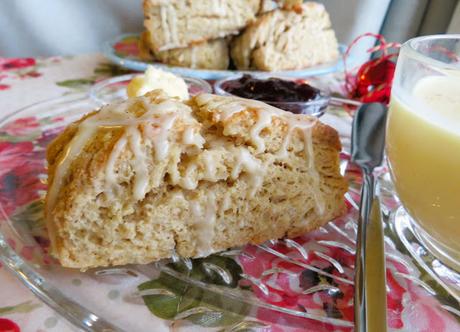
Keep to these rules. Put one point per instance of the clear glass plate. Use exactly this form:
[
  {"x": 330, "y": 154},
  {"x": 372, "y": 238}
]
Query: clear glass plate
[{"x": 302, "y": 284}]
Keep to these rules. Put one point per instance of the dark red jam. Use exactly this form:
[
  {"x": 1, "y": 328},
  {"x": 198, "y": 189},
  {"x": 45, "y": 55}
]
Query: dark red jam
[{"x": 271, "y": 89}]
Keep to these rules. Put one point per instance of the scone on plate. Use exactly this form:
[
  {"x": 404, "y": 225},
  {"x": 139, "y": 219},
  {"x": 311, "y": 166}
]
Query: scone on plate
[
  {"x": 287, "y": 39},
  {"x": 212, "y": 54},
  {"x": 137, "y": 181},
  {"x": 268, "y": 5},
  {"x": 181, "y": 23}
]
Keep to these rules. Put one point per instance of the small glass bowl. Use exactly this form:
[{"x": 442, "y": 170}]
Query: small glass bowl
[
  {"x": 315, "y": 107},
  {"x": 114, "y": 89}
]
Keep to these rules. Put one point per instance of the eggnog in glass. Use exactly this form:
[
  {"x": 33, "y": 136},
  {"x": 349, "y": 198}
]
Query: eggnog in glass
[{"x": 423, "y": 142}]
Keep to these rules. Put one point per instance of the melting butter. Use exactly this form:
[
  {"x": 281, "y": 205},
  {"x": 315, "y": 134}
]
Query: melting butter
[{"x": 155, "y": 78}]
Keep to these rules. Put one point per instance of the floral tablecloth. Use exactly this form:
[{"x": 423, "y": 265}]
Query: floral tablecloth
[
  {"x": 27, "y": 81},
  {"x": 24, "y": 82}
]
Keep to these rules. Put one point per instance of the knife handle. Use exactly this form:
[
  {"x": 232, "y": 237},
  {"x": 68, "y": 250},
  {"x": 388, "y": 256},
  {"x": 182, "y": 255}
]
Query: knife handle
[
  {"x": 375, "y": 277},
  {"x": 369, "y": 315},
  {"x": 360, "y": 307}
]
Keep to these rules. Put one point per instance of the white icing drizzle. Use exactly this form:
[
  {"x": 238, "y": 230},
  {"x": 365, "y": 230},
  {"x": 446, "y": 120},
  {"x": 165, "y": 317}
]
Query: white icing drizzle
[
  {"x": 224, "y": 108},
  {"x": 161, "y": 140},
  {"x": 264, "y": 34},
  {"x": 168, "y": 17},
  {"x": 139, "y": 163},
  {"x": 226, "y": 203},
  {"x": 172, "y": 19},
  {"x": 283, "y": 152},
  {"x": 207, "y": 235},
  {"x": 264, "y": 120},
  {"x": 320, "y": 204},
  {"x": 164, "y": 24},
  {"x": 188, "y": 135},
  {"x": 110, "y": 179},
  {"x": 86, "y": 130},
  {"x": 193, "y": 57},
  {"x": 191, "y": 137},
  {"x": 195, "y": 208},
  {"x": 161, "y": 116},
  {"x": 173, "y": 172},
  {"x": 189, "y": 181},
  {"x": 73, "y": 149},
  {"x": 218, "y": 7},
  {"x": 178, "y": 195},
  {"x": 204, "y": 224},
  {"x": 210, "y": 168},
  {"x": 169, "y": 46},
  {"x": 247, "y": 163},
  {"x": 155, "y": 124}
]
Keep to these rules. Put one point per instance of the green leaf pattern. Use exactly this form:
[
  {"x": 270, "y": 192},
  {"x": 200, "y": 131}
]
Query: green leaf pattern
[
  {"x": 23, "y": 307},
  {"x": 181, "y": 300}
]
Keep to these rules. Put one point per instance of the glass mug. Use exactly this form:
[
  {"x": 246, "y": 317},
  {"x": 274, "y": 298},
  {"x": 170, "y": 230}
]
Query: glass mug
[{"x": 423, "y": 141}]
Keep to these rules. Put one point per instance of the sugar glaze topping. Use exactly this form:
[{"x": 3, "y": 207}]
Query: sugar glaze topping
[
  {"x": 159, "y": 116},
  {"x": 225, "y": 108},
  {"x": 203, "y": 221},
  {"x": 157, "y": 122}
]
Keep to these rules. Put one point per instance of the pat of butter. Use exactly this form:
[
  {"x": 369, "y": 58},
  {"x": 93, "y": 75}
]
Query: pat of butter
[{"x": 153, "y": 79}]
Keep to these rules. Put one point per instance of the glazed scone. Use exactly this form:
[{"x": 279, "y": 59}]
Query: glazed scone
[
  {"x": 287, "y": 39},
  {"x": 137, "y": 181},
  {"x": 212, "y": 54},
  {"x": 268, "y": 5},
  {"x": 181, "y": 23}
]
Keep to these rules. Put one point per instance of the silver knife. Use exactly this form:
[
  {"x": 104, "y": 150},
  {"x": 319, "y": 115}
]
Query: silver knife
[{"x": 368, "y": 142}]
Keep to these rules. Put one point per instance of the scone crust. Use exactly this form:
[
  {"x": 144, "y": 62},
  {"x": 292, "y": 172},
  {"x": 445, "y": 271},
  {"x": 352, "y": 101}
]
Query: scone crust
[
  {"x": 212, "y": 54},
  {"x": 286, "y": 39},
  {"x": 181, "y": 23},
  {"x": 188, "y": 203}
]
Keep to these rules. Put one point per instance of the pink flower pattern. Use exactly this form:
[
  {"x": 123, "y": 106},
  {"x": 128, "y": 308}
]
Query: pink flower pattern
[
  {"x": 16, "y": 63},
  {"x": 21, "y": 127},
  {"x": 405, "y": 300},
  {"x": 127, "y": 47},
  {"x": 22, "y": 68},
  {"x": 19, "y": 183},
  {"x": 409, "y": 306},
  {"x": 7, "y": 325}
]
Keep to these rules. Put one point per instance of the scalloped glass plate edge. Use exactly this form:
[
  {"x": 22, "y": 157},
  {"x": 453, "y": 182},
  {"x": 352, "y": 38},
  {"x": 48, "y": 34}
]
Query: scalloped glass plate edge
[
  {"x": 332, "y": 269},
  {"x": 437, "y": 270},
  {"x": 34, "y": 281},
  {"x": 30, "y": 276}
]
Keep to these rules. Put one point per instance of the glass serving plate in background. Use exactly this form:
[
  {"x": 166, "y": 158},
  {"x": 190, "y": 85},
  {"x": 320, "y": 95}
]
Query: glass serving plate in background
[
  {"x": 124, "y": 51},
  {"x": 286, "y": 285}
]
